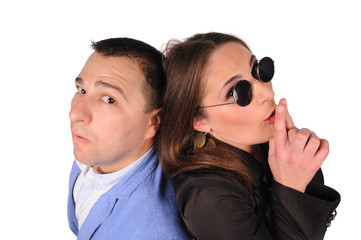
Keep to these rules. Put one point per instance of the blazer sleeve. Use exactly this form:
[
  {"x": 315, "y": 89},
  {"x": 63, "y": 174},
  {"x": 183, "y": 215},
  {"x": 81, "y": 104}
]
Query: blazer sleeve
[
  {"x": 297, "y": 215},
  {"x": 214, "y": 208}
]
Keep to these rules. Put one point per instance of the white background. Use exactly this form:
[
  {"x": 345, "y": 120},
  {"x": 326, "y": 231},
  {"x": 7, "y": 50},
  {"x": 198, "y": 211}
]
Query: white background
[{"x": 44, "y": 44}]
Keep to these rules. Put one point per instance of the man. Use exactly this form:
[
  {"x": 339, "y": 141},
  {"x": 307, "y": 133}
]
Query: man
[{"x": 117, "y": 189}]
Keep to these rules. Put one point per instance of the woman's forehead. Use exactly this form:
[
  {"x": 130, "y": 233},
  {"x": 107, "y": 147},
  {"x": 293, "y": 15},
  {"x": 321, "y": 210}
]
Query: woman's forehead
[{"x": 228, "y": 61}]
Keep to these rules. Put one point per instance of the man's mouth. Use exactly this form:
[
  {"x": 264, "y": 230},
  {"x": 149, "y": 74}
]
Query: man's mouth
[{"x": 78, "y": 137}]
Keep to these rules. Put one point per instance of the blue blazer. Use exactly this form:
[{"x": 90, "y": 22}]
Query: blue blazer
[{"x": 141, "y": 206}]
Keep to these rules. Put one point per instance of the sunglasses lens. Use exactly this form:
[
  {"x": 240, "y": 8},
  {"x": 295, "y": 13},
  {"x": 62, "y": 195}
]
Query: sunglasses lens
[
  {"x": 244, "y": 93},
  {"x": 266, "y": 69}
]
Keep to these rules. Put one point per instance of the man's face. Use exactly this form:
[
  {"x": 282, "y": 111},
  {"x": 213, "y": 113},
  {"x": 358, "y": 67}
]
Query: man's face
[{"x": 109, "y": 126}]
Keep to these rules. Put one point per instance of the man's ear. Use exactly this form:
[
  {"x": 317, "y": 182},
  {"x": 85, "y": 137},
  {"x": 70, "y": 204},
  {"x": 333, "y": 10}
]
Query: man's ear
[
  {"x": 154, "y": 123},
  {"x": 201, "y": 124}
]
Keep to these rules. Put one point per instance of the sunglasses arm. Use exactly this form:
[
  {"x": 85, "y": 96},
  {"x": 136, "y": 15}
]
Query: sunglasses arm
[{"x": 218, "y": 105}]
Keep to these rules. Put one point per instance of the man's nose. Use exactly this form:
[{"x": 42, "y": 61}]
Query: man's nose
[{"x": 80, "y": 110}]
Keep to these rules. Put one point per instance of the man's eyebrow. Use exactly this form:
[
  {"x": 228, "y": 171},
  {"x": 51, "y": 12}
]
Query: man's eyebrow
[
  {"x": 104, "y": 84},
  {"x": 78, "y": 80}
]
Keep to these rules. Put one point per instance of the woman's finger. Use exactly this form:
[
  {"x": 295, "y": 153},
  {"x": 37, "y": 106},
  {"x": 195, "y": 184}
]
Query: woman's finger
[
  {"x": 280, "y": 131},
  {"x": 313, "y": 145},
  {"x": 322, "y": 152},
  {"x": 300, "y": 140},
  {"x": 289, "y": 122}
]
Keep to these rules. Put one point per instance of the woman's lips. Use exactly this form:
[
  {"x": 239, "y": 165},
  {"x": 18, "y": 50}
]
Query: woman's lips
[{"x": 271, "y": 118}]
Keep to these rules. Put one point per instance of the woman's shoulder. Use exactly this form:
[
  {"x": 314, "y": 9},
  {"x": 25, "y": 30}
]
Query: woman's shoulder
[
  {"x": 214, "y": 206},
  {"x": 205, "y": 184},
  {"x": 204, "y": 177}
]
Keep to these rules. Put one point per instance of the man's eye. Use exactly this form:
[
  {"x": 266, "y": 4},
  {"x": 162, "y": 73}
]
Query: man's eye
[
  {"x": 81, "y": 90},
  {"x": 108, "y": 99}
]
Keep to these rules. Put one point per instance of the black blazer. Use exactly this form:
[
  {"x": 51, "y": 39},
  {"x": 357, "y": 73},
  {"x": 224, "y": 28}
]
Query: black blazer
[{"x": 215, "y": 207}]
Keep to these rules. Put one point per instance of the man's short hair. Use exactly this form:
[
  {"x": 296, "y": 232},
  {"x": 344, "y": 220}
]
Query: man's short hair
[{"x": 149, "y": 61}]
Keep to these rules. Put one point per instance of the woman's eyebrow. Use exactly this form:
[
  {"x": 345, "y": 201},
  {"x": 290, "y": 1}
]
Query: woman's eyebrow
[
  {"x": 237, "y": 76},
  {"x": 251, "y": 60}
]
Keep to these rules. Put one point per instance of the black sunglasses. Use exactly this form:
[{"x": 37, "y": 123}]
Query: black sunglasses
[{"x": 242, "y": 91}]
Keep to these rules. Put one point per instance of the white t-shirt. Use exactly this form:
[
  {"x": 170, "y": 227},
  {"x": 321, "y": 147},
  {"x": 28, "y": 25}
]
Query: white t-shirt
[{"x": 90, "y": 185}]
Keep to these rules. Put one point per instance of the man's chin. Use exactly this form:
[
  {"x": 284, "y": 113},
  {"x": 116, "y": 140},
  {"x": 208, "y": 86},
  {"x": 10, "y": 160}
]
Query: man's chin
[{"x": 82, "y": 158}]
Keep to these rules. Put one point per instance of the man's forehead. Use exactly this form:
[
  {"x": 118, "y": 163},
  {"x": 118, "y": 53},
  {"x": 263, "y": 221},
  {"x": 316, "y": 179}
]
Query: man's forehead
[{"x": 121, "y": 67}]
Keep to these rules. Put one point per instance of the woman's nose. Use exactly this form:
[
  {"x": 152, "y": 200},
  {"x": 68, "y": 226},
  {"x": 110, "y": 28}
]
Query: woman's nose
[{"x": 263, "y": 91}]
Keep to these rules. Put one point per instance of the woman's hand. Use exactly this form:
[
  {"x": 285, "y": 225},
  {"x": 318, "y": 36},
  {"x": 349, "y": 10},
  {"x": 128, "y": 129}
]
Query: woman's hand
[{"x": 294, "y": 155}]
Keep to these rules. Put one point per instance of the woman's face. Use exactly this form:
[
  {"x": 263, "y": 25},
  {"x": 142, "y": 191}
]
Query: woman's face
[{"x": 238, "y": 126}]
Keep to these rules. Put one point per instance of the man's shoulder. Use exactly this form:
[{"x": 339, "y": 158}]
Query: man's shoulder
[
  {"x": 151, "y": 207},
  {"x": 155, "y": 187}
]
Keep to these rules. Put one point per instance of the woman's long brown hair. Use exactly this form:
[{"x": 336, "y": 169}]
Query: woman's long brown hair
[{"x": 184, "y": 65}]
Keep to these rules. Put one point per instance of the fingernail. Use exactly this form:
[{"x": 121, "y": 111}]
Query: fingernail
[
  {"x": 279, "y": 109},
  {"x": 283, "y": 101}
]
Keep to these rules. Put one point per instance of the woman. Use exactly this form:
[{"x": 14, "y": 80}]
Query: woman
[{"x": 242, "y": 169}]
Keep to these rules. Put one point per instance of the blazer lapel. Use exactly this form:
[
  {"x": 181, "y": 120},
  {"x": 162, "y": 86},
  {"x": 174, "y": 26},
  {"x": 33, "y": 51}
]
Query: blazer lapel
[
  {"x": 73, "y": 222},
  {"x": 122, "y": 190},
  {"x": 99, "y": 212}
]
